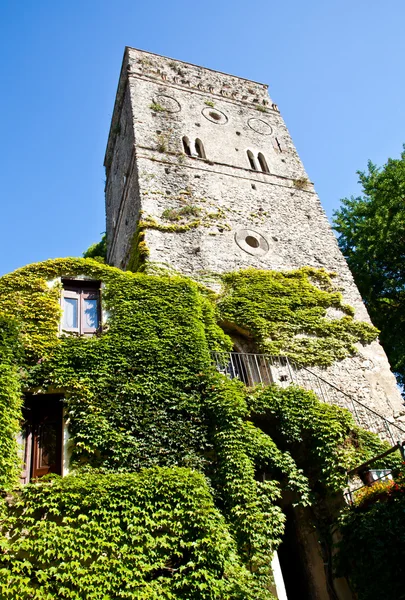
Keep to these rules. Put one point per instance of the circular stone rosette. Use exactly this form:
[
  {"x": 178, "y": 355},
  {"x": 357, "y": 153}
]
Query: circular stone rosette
[
  {"x": 168, "y": 103},
  {"x": 252, "y": 242},
  {"x": 214, "y": 115},
  {"x": 260, "y": 126}
]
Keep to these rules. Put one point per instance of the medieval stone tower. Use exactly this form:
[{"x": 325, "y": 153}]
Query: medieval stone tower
[
  {"x": 202, "y": 170},
  {"x": 188, "y": 473}
]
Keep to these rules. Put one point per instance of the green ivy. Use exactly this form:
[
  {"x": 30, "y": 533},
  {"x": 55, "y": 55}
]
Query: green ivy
[
  {"x": 323, "y": 439},
  {"x": 156, "y": 534},
  {"x": 286, "y": 313},
  {"x": 250, "y": 505},
  {"x": 145, "y": 403},
  {"x": 10, "y": 402}
]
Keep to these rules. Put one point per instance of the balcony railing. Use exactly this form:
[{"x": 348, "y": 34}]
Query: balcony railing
[
  {"x": 253, "y": 369},
  {"x": 370, "y": 476}
]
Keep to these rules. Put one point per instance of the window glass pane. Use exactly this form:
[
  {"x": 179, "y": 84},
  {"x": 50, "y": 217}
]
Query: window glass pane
[
  {"x": 47, "y": 444},
  {"x": 70, "y": 313},
  {"x": 90, "y": 314}
]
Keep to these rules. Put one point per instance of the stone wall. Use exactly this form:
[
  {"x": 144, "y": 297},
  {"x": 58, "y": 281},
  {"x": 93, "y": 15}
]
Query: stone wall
[{"x": 217, "y": 214}]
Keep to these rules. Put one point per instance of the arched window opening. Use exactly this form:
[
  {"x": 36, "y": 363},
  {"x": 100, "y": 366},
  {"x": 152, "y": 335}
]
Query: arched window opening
[
  {"x": 199, "y": 148},
  {"x": 262, "y": 163},
  {"x": 252, "y": 161},
  {"x": 186, "y": 146}
]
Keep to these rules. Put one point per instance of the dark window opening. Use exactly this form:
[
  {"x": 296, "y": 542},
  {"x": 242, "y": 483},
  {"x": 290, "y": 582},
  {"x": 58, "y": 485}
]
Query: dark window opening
[
  {"x": 199, "y": 148},
  {"x": 81, "y": 306},
  {"x": 252, "y": 241},
  {"x": 186, "y": 146},
  {"x": 262, "y": 163},
  {"x": 42, "y": 436},
  {"x": 251, "y": 160}
]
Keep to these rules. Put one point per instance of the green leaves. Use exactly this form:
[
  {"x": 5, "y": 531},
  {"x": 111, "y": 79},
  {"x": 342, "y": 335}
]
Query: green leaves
[
  {"x": 371, "y": 232},
  {"x": 178, "y": 471},
  {"x": 322, "y": 439},
  {"x": 10, "y": 401},
  {"x": 287, "y": 313},
  {"x": 97, "y": 251},
  {"x": 148, "y": 535}
]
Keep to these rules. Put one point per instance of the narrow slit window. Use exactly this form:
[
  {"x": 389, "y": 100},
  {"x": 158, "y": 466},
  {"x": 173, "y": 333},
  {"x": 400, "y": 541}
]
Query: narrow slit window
[
  {"x": 251, "y": 160},
  {"x": 199, "y": 148},
  {"x": 262, "y": 163},
  {"x": 186, "y": 146}
]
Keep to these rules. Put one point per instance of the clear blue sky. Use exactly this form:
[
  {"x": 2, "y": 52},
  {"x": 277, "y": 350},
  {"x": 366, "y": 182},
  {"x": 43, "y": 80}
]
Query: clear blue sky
[{"x": 335, "y": 68}]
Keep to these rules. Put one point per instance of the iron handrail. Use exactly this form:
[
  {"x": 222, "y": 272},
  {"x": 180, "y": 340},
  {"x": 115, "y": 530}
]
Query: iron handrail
[
  {"x": 253, "y": 369},
  {"x": 350, "y": 494}
]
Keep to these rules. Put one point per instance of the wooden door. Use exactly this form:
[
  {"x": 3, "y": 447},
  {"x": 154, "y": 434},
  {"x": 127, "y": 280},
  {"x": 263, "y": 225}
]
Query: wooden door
[{"x": 46, "y": 432}]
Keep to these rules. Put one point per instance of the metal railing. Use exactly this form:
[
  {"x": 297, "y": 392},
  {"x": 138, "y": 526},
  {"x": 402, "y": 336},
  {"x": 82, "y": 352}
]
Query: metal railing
[
  {"x": 253, "y": 369},
  {"x": 350, "y": 493},
  {"x": 370, "y": 476}
]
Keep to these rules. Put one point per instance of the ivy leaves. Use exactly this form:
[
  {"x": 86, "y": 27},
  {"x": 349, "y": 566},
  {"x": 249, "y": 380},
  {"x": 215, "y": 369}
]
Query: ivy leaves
[
  {"x": 10, "y": 401},
  {"x": 149, "y": 535},
  {"x": 179, "y": 471},
  {"x": 286, "y": 313},
  {"x": 372, "y": 547}
]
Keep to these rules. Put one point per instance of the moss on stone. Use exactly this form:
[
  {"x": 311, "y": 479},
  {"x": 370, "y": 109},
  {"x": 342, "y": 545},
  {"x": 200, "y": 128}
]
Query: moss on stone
[{"x": 139, "y": 251}]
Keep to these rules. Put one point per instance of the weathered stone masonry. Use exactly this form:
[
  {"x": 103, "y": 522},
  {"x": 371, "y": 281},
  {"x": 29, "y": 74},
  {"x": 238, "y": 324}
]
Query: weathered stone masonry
[{"x": 229, "y": 216}]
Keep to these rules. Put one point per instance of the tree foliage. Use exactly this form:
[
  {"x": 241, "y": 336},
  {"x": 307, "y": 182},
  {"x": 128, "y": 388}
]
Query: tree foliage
[
  {"x": 97, "y": 251},
  {"x": 371, "y": 230}
]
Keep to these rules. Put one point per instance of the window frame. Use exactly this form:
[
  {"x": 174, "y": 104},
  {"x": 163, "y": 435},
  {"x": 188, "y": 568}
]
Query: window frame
[
  {"x": 81, "y": 290},
  {"x": 41, "y": 411}
]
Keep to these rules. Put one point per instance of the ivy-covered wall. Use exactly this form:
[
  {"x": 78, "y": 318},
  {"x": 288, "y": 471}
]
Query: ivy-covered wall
[
  {"x": 10, "y": 401},
  {"x": 167, "y": 492},
  {"x": 153, "y": 534},
  {"x": 287, "y": 313}
]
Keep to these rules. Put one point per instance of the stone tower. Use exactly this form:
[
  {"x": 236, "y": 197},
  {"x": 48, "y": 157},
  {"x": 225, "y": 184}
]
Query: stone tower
[{"x": 201, "y": 167}]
